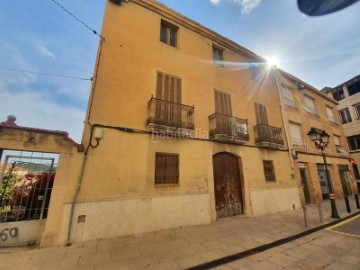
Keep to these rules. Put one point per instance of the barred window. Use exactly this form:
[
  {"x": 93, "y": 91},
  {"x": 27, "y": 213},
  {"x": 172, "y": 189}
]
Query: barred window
[
  {"x": 166, "y": 168},
  {"x": 269, "y": 170}
]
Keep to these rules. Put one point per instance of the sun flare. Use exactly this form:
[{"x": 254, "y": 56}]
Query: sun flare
[{"x": 272, "y": 61}]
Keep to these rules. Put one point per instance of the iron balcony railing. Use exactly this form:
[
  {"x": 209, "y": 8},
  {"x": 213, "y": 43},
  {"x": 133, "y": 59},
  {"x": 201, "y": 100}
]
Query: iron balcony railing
[
  {"x": 233, "y": 127},
  {"x": 171, "y": 114},
  {"x": 300, "y": 143},
  {"x": 268, "y": 134}
]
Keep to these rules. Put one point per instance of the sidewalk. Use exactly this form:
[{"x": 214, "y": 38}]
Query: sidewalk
[{"x": 172, "y": 249}]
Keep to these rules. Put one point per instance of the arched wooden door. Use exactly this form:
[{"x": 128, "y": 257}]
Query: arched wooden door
[{"x": 227, "y": 182}]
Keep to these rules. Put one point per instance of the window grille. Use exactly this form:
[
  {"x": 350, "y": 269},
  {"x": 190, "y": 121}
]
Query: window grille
[
  {"x": 269, "y": 170},
  {"x": 166, "y": 168}
]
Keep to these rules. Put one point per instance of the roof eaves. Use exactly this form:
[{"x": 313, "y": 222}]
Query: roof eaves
[
  {"x": 63, "y": 134},
  {"x": 308, "y": 86}
]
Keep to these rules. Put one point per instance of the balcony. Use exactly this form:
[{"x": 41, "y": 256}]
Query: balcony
[
  {"x": 170, "y": 117},
  {"x": 299, "y": 143},
  {"x": 225, "y": 128},
  {"x": 268, "y": 136}
]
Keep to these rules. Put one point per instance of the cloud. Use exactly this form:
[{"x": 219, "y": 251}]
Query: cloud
[
  {"x": 17, "y": 60},
  {"x": 38, "y": 111},
  {"x": 45, "y": 51},
  {"x": 247, "y": 5}
]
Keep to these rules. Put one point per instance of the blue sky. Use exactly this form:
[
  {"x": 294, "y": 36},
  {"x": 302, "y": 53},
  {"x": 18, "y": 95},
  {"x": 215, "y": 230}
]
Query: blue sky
[{"x": 40, "y": 36}]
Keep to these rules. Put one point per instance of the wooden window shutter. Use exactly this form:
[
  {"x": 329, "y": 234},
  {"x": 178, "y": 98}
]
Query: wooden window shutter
[
  {"x": 222, "y": 103},
  {"x": 172, "y": 90},
  {"x": 228, "y": 105},
  {"x": 159, "y": 85},
  {"x": 261, "y": 115},
  {"x": 178, "y": 91},
  {"x": 168, "y": 87}
]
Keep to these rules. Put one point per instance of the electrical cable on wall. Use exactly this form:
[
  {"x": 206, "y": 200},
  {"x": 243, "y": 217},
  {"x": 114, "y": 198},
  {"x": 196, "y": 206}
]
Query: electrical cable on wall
[
  {"x": 45, "y": 74},
  {"x": 80, "y": 21}
]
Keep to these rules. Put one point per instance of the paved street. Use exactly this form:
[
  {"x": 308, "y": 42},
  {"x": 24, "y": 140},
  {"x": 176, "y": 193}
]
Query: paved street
[
  {"x": 192, "y": 246},
  {"x": 321, "y": 250}
]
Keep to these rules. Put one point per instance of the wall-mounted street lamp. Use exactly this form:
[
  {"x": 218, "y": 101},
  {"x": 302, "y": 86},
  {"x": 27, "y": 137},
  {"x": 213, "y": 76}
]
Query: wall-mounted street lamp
[{"x": 321, "y": 141}]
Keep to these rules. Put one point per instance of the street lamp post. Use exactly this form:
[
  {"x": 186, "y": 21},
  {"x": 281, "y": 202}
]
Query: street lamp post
[{"x": 321, "y": 141}]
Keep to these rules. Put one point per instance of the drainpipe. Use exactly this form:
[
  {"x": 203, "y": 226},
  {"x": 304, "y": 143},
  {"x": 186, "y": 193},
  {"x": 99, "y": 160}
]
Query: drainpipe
[
  {"x": 78, "y": 186},
  {"x": 276, "y": 75}
]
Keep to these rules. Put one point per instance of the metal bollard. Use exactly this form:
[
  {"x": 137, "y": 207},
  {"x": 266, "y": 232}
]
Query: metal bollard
[
  {"x": 357, "y": 201},
  {"x": 347, "y": 204},
  {"x": 321, "y": 216},
  {"x": 305, "y": 216}
]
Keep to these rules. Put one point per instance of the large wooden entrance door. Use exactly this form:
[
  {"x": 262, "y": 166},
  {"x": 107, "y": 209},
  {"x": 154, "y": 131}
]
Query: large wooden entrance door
[{"x": 227, "y": 180}]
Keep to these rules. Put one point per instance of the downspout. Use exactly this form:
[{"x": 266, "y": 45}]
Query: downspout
[
  {"x": 79, "y": 182},
  {"x": 77, "y": 190},
  {"x": 276, "y": 75}
]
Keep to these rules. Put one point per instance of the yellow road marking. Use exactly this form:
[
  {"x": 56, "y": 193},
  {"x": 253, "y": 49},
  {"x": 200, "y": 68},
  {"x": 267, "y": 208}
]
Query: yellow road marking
[{"x": 342, "y": 223}]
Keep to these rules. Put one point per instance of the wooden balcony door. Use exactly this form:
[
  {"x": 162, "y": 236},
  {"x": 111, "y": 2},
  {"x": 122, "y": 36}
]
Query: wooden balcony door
[
  {"x": 261, "y": 115},
  {"x": 168, "y": 88},
  {"x": 228, "y": 187},
  {"x": 223, "y": 106},
  {"x": 262, "y": 119}
]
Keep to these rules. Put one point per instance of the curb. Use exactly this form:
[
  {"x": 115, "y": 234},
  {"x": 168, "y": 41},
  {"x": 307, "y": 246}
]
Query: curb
[{"x": 253, "y": 251}]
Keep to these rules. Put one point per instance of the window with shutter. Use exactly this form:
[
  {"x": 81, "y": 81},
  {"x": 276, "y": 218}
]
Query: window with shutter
[
  {"x": 329, "y": 112},
  {"x": 296, "y": 137},
  {"x": 166, "y": 168},
  {"x": 261, "y": 116},
  {"x": 288, "y": 97},
  {"x": 222, "y": 103},
  {"x": 336, "y": 140},
  {"x": 310, "y": 105},
  {"x": 168, "y": 87}
]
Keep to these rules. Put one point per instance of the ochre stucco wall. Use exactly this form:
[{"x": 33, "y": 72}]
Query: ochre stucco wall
[
  {"x": 312, "y": 156},
  {"x": 118, "y": 195}
]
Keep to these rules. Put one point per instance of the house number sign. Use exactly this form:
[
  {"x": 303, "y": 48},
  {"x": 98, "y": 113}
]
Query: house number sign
[{"x": 13, "y": 232}]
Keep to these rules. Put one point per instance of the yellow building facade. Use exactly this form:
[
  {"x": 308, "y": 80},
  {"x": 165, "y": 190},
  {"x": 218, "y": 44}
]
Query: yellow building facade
[
  {"x": 306, "y": 108},
  {"x": 185, "y": 127},
  {"x": 348, "y": 96},
  {"x": 181, "y": 129}
]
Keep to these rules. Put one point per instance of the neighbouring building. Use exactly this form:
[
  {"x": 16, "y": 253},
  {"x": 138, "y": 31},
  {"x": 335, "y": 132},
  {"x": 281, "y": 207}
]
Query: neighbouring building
[
  {"x": 31, "y": 200},
  {"x": 348, "y": 96},
  {"x": 305, "y": 107}
]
